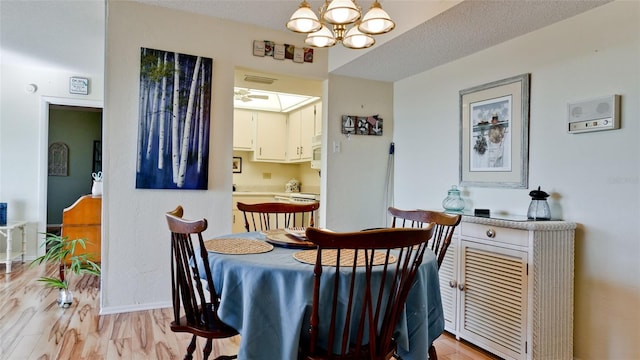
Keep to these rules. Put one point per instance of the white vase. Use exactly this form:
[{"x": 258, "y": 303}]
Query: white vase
[
  {"x": 65, "y": 298},
  {"x": 96, "y": 189}
]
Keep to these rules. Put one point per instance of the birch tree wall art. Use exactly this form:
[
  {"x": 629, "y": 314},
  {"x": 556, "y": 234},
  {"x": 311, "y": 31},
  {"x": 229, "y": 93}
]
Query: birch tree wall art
[{"x": 173, "y": 127}]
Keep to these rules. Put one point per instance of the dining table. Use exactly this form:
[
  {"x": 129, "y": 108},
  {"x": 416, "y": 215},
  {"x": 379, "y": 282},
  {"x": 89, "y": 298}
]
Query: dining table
[{"x": 267, "y": 295}]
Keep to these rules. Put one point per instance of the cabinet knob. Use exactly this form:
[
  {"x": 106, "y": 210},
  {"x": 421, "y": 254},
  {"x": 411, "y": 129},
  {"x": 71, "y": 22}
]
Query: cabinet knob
[
  {"x": 453, "y": 284},
  {"x": 461, "y": 287},
  {"x": 491, "y": 233}
]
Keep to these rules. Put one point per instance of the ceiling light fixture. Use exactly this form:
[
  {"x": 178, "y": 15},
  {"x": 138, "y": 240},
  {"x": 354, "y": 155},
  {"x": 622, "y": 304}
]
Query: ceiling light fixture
[{"x": 339, "y": 15}]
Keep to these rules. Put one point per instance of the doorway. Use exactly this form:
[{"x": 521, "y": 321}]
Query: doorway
[
  {"x": 52, "y": 109},
  {"x": 75, "y": 150}
]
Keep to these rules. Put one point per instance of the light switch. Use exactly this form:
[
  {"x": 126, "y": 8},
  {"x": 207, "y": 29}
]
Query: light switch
[{"x": 336, "y": 146}]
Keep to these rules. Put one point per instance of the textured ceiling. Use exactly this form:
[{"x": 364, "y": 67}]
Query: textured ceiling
[
  {"x": 429, "y": 33},
  {"x": 463, "y": 29}
]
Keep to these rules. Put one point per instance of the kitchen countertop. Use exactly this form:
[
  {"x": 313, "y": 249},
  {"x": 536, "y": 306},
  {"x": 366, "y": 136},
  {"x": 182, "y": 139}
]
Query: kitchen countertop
[
  {"x": 258, "y": 193},
  {"x": 266, "y": 193}
]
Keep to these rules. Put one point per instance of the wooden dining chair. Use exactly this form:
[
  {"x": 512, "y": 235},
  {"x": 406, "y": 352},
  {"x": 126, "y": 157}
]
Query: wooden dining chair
[
  {"x": 274, "y": 215},
  {"x": 199, "y": 305},
  {"x": 444, "y": 226},
  {"x": 362, "y": 326}
]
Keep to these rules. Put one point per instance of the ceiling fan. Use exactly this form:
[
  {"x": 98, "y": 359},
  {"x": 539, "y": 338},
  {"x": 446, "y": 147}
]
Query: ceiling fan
[{"x": 245, "y": 95}]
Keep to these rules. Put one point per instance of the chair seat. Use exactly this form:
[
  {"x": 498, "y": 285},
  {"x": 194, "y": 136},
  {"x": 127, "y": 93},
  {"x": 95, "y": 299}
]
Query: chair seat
[{"x": 216, "y": 329}]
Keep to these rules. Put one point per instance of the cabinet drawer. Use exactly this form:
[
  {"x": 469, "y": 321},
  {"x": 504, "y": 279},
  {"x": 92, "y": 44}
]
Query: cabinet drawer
[{"x": 495, "y": 233}]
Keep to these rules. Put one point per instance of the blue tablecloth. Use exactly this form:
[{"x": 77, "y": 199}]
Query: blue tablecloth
[{"x": 267, "y": 297}]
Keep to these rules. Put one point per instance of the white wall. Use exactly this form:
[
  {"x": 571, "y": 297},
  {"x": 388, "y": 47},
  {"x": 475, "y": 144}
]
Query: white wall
[
  {"x": 23, "y": 139},
  {"x": 41, "y": 27},
  {"x": 594, "y": 176},
  {"x": 353, "y": 179},
  {"x": 137, "y": 248}
]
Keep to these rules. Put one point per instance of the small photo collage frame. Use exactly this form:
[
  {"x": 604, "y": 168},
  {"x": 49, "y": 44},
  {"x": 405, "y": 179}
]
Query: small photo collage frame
[{"x": 296, "y": 54}]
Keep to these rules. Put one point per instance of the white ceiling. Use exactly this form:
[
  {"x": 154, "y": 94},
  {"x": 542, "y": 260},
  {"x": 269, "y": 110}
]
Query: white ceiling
[
  {"x": 442, "y": 30},
  {"x": 429, "y": 33}
]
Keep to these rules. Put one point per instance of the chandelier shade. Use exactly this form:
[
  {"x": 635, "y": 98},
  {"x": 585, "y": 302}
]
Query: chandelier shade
[
  {"x": 376, "y": 21},
  {"x": 356, "y": 39},
  {"x": 304, "y": 20},
  {"x": 340, "y": 21},
  {"x": 321, "y": 38},
  {"x": 341, "y": 12}
]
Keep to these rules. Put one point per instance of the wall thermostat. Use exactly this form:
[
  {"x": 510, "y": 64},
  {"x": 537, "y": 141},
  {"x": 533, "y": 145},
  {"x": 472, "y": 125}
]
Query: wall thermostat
[
  {"x": 594, "y": 115},
  {"x": 79, "y": 85}
]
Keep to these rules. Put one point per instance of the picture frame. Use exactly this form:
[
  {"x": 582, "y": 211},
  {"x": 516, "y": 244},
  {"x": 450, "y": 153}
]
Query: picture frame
[
  {"x": 158, "y": 165},
  {"x": 79, "y": 85},
  {"x": 237, "y": 165},
  {"x": 494, "y": 134}
]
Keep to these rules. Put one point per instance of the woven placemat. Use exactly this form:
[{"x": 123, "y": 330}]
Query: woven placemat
[
  {"x": 237, "y": 246},
  {"x": 329, "y": 257}
]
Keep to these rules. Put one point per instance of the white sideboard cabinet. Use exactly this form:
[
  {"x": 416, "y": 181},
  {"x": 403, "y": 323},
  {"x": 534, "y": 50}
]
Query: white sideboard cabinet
[{"x": 507, "y": 286}]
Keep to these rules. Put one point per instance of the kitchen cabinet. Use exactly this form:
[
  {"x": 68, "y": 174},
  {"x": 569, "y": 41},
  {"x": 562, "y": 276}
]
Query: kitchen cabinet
[
  {"x": 507, "y": 286},
  {"x": 300, "y": 131},
  {"x": 270, "y": 138},
  {"x": 318, "y": 119},
  {"x": 243, "y": 129}
]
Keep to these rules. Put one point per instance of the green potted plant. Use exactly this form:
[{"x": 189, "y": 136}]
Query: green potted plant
[{"x": 62, "y": 250}]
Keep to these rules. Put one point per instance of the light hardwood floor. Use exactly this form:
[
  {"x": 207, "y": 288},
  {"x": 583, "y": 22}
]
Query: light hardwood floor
[{"x": 32, "y": 326}]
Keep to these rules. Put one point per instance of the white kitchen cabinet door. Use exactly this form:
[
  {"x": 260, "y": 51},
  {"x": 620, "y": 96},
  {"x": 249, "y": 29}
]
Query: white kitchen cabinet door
[
  {"x": 293, "y": 135},
  {"x": 243, "y": 129},
  {"x": 318, "y": 119},
  {"x": 271, "y": 130},
  {"x": 300, "y": 132},
  {"x": 307, "y": 124}
]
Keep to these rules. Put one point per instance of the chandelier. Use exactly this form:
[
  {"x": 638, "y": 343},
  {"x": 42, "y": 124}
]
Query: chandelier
[{"x": 339, "y": 15}]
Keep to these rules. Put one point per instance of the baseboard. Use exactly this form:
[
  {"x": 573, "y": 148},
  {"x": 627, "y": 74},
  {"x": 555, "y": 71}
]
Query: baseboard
[{"x": 130, "y": 308}]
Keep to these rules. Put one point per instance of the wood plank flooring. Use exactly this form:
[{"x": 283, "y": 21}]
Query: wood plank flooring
[{"x": 33, "y": 327}]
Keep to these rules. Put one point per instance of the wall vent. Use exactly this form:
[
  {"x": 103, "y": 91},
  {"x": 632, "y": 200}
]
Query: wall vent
[{"x": 259, "y": 79}]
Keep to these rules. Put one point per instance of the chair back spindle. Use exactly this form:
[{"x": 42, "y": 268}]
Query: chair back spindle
[{"x": 273, "y": 215}]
